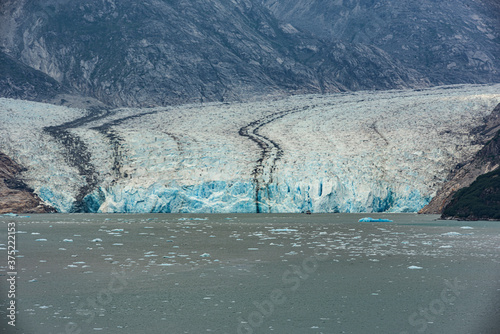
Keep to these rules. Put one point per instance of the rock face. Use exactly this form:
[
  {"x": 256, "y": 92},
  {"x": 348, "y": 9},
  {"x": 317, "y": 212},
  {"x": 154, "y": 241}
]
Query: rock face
[
  {"x": 20, "y": 81},
  {"x": 464, "y": 174},
  {"x": 447, "y": 41},
  {"x": 479, "y": 201},
  {"x": 15, "y": 195},
  {"x": 129, "y": 53}
]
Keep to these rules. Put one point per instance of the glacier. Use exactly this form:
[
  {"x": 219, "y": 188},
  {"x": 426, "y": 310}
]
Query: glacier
[{"x": 381, "y": 151}]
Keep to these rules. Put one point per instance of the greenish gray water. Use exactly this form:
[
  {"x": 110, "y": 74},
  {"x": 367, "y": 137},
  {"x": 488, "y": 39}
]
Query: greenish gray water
[{"x": 249, "y": 273}]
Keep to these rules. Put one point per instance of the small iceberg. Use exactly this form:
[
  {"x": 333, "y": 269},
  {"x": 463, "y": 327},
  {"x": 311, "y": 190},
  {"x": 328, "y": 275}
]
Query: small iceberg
[
  {"x": 451, "y": 233},
  {"x": 14, "y": 215},
  {"x": 374, "y": 220},
  {"x": 415, "y": 267},
  {"x": 283, "y": 230}
]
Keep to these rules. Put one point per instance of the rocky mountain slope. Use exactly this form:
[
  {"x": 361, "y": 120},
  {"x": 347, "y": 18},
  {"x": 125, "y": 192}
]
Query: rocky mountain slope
[
  {"x": 485, "y": 161},
  {"x": 16, "y": 196},
  {"x": 351, "y": 152},
  {"x": 479, "y": 201},
  {"x": 20, "y": 81},
  {"x": 447, "y": 41},
  {"x": 128, "y": 53}
]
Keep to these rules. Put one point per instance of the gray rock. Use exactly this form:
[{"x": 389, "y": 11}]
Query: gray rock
[
  {"x": 449, "y": 42},
  {"x": 127, "y": 53}
]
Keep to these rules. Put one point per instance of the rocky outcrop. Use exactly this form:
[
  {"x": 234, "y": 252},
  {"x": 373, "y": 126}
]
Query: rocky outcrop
[
  {"x": 15, "y": 195},
  {"x": 485, "y": 161},
  {"x": 479, "y": 201},
  {"x": 19, "y": 81}
]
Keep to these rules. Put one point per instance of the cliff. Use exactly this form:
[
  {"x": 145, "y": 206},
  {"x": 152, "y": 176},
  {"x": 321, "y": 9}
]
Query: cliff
[
  {"x": 479, "y": 201},
  {"x": 15, "y": 195}
]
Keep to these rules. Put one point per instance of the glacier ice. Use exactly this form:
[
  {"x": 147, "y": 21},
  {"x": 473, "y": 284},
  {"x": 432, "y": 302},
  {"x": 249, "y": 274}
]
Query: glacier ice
[
  {"x": 353, "y": 152},
  {"x": 374, "y": 220}
]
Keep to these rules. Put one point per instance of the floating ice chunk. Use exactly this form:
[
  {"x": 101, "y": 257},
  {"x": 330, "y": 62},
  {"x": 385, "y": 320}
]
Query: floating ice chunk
[
  {"x": 415, "y": 267},
  {"x": 374, "y": 220},
  {"x": 166, "y": 264},
  {"x": 253, "y": 249},
  {"x": 14, "y": 215},
  {"x": 451, "y": 233},
  {"x": 117, "y": 244},
  {"x": 68, "y": 240},
  {"x": 97, "y": 240},
  {"x": 467, "y": 228},
  {"x": 283, "y": 230},
  {"x": 41, "y": 240},
  {"x": 205, "y": 255}
]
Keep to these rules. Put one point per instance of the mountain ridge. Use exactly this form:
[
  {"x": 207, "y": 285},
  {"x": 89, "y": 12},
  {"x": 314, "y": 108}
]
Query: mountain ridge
[{"x": 161, "y": 53}]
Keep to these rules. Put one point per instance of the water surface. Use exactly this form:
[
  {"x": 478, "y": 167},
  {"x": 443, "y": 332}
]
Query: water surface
[{"x": 249, "y": 273}]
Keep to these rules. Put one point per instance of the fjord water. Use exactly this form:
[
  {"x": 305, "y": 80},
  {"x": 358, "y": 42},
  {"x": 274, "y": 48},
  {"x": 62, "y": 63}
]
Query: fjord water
[{"x": 252, "y": 273}]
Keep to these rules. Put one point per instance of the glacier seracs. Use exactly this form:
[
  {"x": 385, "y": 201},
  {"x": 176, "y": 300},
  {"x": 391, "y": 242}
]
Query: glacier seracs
[{"x": 354, "y": 152}]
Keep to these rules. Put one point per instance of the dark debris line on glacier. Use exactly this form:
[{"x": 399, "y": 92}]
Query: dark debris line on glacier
[
  {"x": 270, "y": 150},
  {"x": 116, "y": 141},
  {"x": 270, "y": 153},
  {"x": 77, "y": 153}
]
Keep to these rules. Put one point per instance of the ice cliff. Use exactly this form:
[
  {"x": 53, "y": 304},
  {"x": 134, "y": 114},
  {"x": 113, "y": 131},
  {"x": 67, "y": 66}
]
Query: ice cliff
[{"x": 355, "y": 152}]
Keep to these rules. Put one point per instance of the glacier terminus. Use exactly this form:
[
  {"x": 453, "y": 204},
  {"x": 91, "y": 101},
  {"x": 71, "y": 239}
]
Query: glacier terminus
[{"x": 386, "y": 151}]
